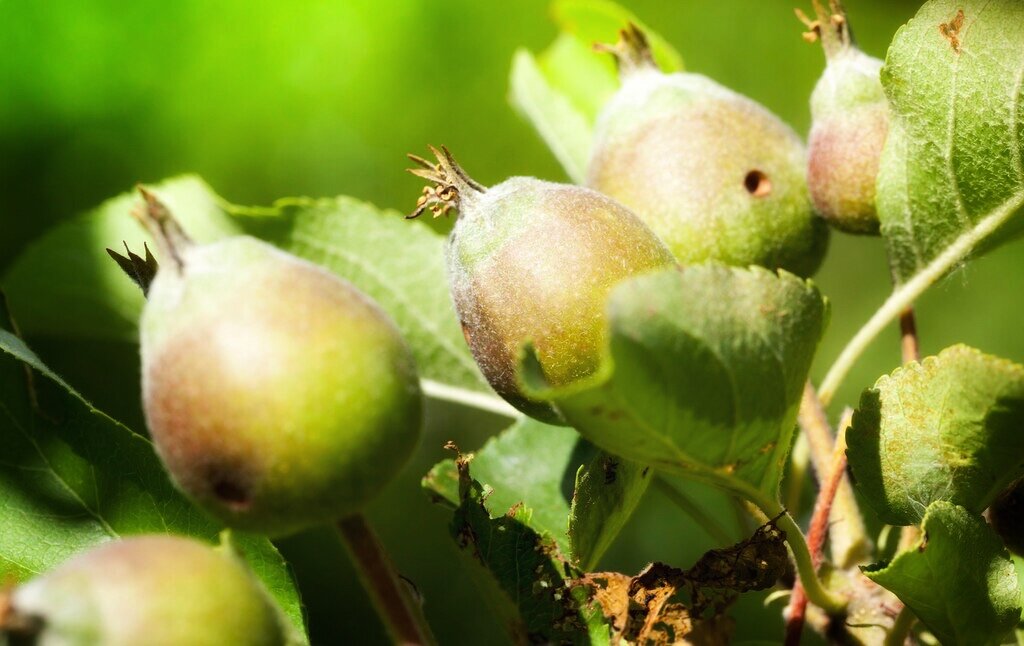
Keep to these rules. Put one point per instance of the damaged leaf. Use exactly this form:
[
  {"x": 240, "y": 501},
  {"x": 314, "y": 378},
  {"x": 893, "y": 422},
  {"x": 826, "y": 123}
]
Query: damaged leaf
[
  {"x": 521, "y": 571},
  {"x": 575, "y": 493},
  {"x": 666, "y": 605}
]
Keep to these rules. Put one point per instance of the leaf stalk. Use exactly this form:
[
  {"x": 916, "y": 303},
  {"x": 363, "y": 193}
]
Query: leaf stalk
[{"x": 400, "y": 613}]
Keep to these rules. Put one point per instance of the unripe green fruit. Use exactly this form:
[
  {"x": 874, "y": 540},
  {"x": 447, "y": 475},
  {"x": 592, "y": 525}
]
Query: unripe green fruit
[
  {"x": 152, "y": 590},
  {"x": 278, "y": 395},
  {"x": 533, "y": 261},
  {"x": 714, "y": 174},
  {"x": 850, "y": 122}
]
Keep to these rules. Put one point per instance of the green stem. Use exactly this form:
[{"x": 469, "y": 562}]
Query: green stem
[
  {"x": 690, "y": 507},
  {"x": 815, "y": 590},
  {"x": 897, "y": 635},
  {"x": 400, "y": 613},
  {"x": 905, "y": 295},
  {"x": 813, "y": 587}
]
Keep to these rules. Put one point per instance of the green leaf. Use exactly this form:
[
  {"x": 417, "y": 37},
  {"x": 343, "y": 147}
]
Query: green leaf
[
  {"x": 599, "y": 21},
  {"x": 66, "y": 285},
  {"x": 72, "y": 477},
  {"x": 561, "y": 91},
  {"x": 948, "y": 428},
  {"x": 519, "y": 568},
  {"x": 565, "y": 130},
  {"x": 958, "y": 580},
  {"x": 398, "y": 262},
  {"x": 951, "y": 182},
  {"x": 703, "y": 375},
  {"x": 570, "y": 492},
  {"x": 608, "y": 490}
]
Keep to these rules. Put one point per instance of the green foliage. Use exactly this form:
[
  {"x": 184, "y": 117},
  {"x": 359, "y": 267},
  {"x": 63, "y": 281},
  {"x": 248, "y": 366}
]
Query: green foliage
[
  {"x": 66, "y": 284},
  {"x": 518, "y": 552},
  {"x": 561, "y": 91},
  {"x": 945, "y": 429},
  {"x": 72, "y": 477},
  {"x": 958, "y": 579},
  {"x": 704, "y": 367},
  {"x": 703, "y": 374},
  {"x": 951, "y": 176},
  {"x": 568, "y": 490}
]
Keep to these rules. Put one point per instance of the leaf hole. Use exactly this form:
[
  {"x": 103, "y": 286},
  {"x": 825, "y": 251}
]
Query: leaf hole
[{"x": 757, "y": 183}]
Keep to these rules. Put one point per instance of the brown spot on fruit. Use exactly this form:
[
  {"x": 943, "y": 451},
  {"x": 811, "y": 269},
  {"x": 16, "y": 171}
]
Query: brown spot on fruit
[
  {"x": 757, "y": 184},
  {"x": 232, "y": 494}
]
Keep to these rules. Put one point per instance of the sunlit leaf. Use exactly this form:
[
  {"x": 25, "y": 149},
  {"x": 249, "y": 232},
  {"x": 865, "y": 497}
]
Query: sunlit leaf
[
  {"x": 948, "y": 428},
  {"x": 703, "y": 374},
  {"x": 952, "y": 180}
]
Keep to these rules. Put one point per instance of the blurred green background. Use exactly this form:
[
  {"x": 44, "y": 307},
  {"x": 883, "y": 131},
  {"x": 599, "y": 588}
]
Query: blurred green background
[{"x": 320, "y": 98}]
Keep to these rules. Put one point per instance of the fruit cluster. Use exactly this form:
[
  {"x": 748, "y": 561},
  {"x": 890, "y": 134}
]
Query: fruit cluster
[{"x": 280, "y": 397}]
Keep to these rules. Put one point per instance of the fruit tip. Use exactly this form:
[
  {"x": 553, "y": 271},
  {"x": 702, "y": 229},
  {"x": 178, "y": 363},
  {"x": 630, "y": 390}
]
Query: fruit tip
[
  {"x": 451, "y": 183},
  {"x": 830, "y": 26},
  {"x": 632, "y": 51}
]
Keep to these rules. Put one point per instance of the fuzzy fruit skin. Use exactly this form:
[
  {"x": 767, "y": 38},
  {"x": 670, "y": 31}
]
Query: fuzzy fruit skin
[
  {"x": 533, "y": 261},
  {"x": 683, "y": 153},
  {"x": 850, "y": 121},
  {"x": 278, "y": 395},
  {"x": 153, "y": 590}
]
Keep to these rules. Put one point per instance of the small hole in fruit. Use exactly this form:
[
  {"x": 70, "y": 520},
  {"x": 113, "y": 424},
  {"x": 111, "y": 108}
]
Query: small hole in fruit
[
  {"x": 231, "y": 494},
  {"x": 757, "y": 183}
]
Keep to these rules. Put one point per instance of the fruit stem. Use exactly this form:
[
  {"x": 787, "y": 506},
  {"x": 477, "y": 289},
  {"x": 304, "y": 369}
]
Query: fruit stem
[
  {"x": 830, "y": 26},
  {"x": 817, "y": 533},
  {"x": 897, "y": 635},
  {"x": 453, "y": 188},
  {"x": 905, "y": 294},
  {"x": 815, "y": 590},
  {"x": 401, "y": 614},
  {"x": 170, "y": 238},
  {"x": 632, "y": 52}
]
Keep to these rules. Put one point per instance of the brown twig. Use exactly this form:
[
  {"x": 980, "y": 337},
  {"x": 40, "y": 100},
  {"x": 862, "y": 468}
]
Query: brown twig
[
  {"x": 909, "y": 344},
  {"x": 816, "y": 535},
  {"x": 398, "y": 610},
  {"x": 850, "y": 542}
]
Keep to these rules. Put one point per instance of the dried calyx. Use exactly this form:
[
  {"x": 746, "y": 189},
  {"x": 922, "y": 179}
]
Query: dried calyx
[
  {"x": 828, "y": 26},
  {"x": 452, "y": 185},
  {"x": 632, "y": 52}
]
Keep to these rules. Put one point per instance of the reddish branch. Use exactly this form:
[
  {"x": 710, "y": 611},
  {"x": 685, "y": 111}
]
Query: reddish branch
[
  {"x": 796, "y": 613},
  {"x": 908, "y": 336}
]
